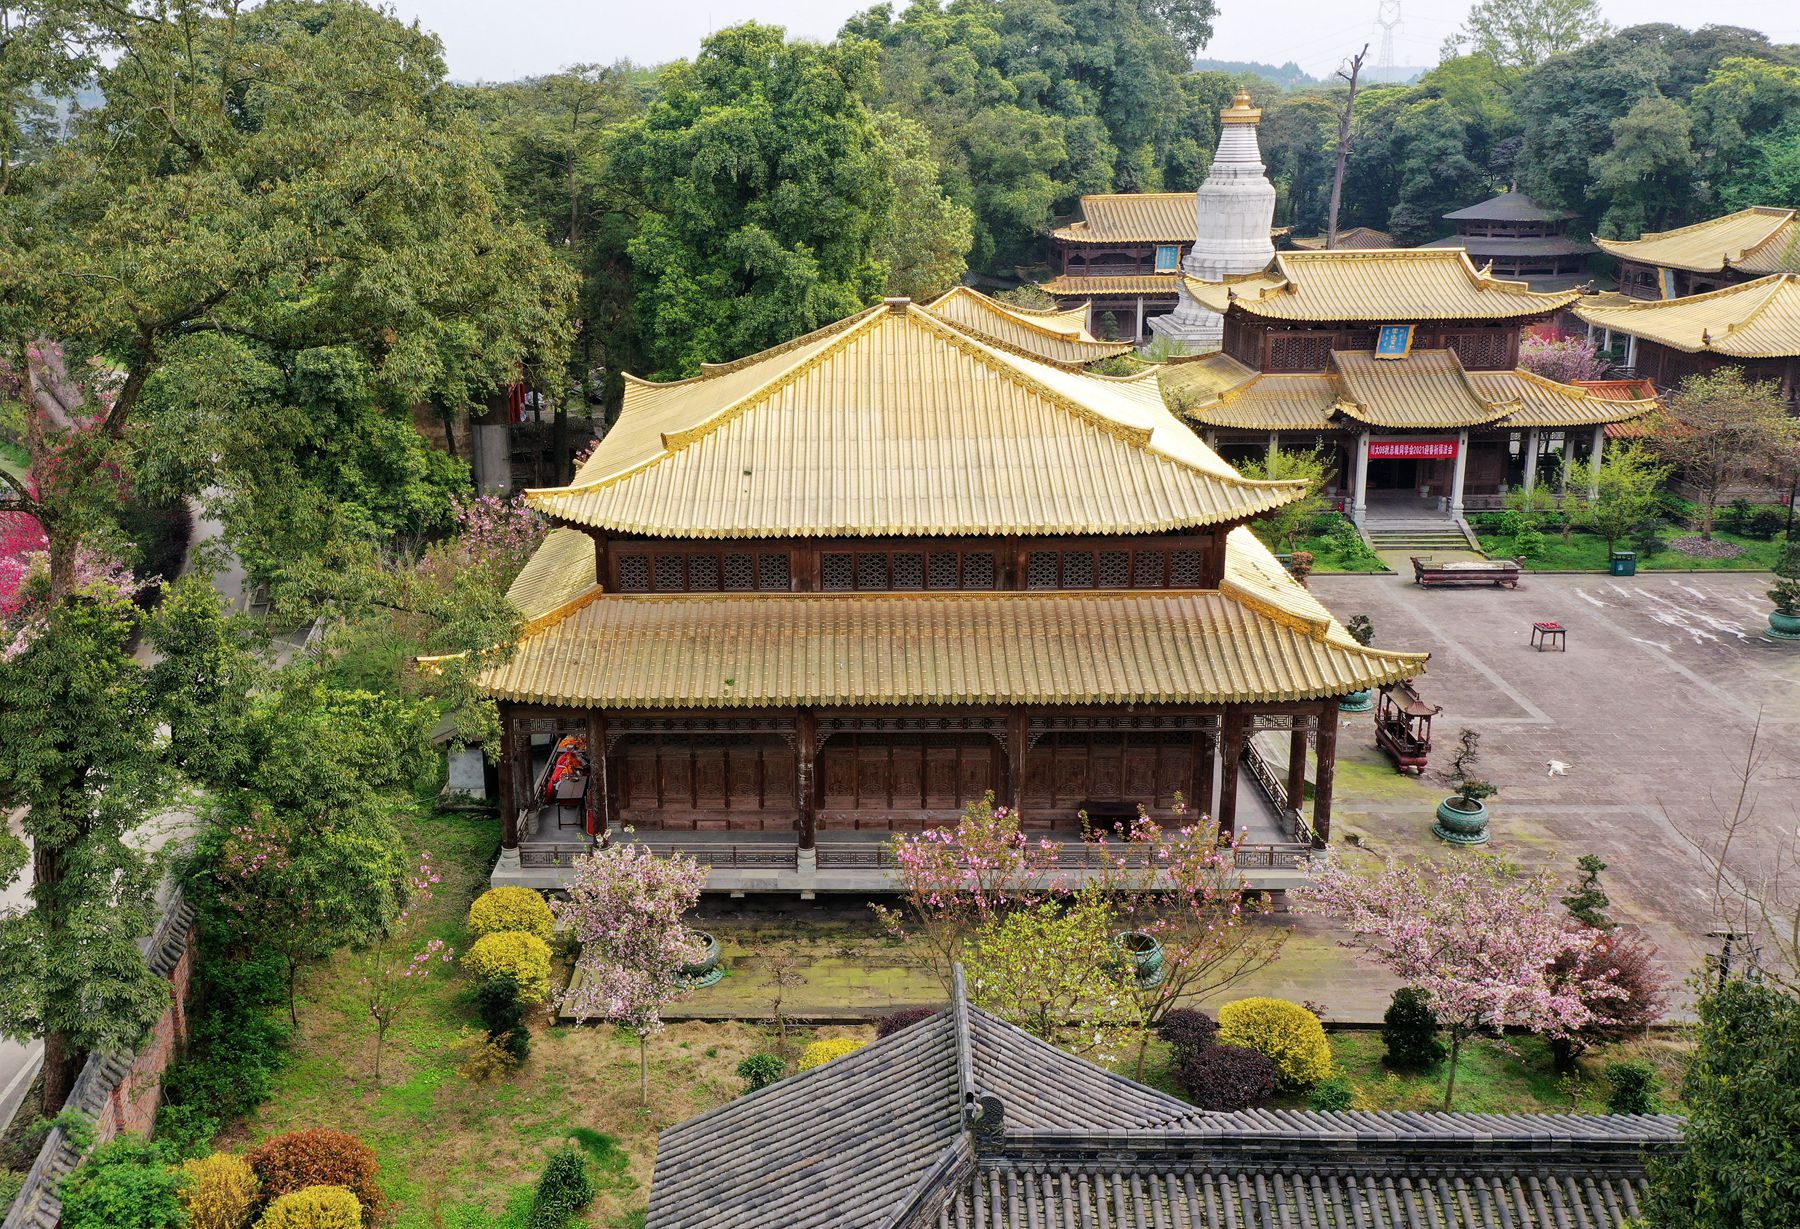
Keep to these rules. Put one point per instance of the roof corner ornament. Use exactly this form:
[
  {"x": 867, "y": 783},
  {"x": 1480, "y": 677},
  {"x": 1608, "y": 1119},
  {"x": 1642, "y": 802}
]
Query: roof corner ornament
[{"x": 986, "y": 1117}]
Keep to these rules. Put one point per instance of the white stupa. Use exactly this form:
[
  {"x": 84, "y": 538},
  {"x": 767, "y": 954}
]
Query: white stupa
[{"x": 1233, "y": 211}]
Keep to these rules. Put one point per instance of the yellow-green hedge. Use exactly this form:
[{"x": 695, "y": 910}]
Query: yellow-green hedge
[
  {"x": 498, "y": 910},
  {"x": 821, "y": 1052},
  {"x": 1285, "y": 1032},
  {"x": 219, "y": 1191},
  {"x": 314, "y": 1207},
  {"x": 525, "y": 956}
]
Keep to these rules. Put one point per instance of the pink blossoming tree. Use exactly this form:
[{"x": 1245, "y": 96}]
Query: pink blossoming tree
[
  {"x": 1563, "y": 359},
  {"x": 394, "y": 972},
  {"x": 625, "y": 909},
  {"x": 1477, "y": 937}
]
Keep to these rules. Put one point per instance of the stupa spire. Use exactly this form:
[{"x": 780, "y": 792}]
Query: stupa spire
[{"x": 1233, "y": 211}]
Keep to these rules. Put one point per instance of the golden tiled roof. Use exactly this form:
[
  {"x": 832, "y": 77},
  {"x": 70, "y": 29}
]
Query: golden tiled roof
[
  {"x": 1755, "y": 240},
  {"x": 1406, "y": 284},
  {"x": 1057, "y": 336},
  {"x": 1427, "y": 388},
  {"x": 1221, "y": 392},
  {"x": 1356, "y": 239},
  {"x": 896, "y": 422},
  {"x": 561, "y": 570},
  {"x": 1101, "y": 287},
  {"x": 1132, "y": 217},
  {"x": 1757, "y": 319},
  {"x": 1540, "y": 402},
  {"x": 1260, "y": 637}
]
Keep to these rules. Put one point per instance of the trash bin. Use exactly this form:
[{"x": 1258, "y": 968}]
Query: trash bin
[{"x": 1624, "y": 563}]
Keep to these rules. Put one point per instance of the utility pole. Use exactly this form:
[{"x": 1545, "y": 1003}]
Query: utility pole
[{"x": 1353, "y": 75}]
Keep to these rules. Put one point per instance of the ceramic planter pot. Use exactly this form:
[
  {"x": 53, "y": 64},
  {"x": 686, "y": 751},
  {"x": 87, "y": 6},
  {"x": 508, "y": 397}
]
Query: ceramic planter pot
[
  {"x": 1358, "y": 701},
  {"x": 1146, "y": 955},
  {"x": 1459, "y": 825},
  {"x": 706, "y": 971},
  {"x": 1784, "y": 626}
]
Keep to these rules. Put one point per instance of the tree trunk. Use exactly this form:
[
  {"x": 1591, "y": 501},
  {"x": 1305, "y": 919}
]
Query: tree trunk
[
  {"x": 1456, "y": 1040},
  {"x": 643, "y": 1070},
  {"x": 62, "y": 1057},
  {"x": 293, "y": 975}
]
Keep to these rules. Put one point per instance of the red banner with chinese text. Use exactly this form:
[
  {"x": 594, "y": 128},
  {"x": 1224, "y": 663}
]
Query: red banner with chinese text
[{"x": 1411, "y": 450}]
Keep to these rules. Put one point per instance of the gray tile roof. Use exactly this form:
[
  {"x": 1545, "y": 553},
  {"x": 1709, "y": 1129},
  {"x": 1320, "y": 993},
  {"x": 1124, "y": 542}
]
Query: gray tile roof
[{"x": 964, "y": 1121}]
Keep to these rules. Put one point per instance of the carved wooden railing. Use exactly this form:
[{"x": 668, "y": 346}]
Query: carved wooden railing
[{"x": 1293, "y": 823}]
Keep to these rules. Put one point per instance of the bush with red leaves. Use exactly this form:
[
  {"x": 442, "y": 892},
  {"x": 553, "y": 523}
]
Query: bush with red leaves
[
  {"x": 887, "y": 1026},
  {"x": 1187, "y": 1031},
  {"x": 318, "y": 1157},
  {"x": 1226, "y": 1077}
]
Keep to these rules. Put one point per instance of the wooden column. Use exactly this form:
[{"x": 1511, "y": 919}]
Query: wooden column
[
  {"x": 806, "y": 751},
  {"x": 599, "y": 775},
  {"x": 1018, "y": 733},
  {"x": 1200, "y": 788},
  {"x": 1328, "y": 732},
  {"x": 1231, "y": 747},
  {"x": 509, "y": 802},
  {"x": 1296, "y": 779}
]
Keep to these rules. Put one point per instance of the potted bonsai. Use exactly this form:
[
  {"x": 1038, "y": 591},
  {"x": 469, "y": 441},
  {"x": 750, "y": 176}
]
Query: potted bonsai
[
  {"x": 1362, "y": 630},
  {"x": 1462, "y": 818},
  {"x": 1784, "y": 620}
]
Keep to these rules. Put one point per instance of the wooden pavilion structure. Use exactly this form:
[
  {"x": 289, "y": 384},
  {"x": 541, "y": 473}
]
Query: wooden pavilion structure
[
  {"x": 1402, "y": 365},
  {"x": 1515, "y": 237},
  {"x": 851, "y": 584}
]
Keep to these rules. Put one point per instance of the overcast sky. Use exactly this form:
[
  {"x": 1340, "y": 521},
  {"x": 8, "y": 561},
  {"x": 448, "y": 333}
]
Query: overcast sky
[{"x": 498, "y": 40}]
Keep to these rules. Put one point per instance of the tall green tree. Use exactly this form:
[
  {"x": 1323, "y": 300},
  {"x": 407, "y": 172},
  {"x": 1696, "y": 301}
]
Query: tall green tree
[
  {"x": 1724, "y": 429},
  {"x": 276, "y": 236},
  {"x": 1738, "y": 1167},
  {"x": 1524, "y": 33},
  {"x": 1619, "y": 494},
  {"x": 926, "y": 242},
  {"x": 1646, "y": 175},
  {"x": 762, "y": 181}
]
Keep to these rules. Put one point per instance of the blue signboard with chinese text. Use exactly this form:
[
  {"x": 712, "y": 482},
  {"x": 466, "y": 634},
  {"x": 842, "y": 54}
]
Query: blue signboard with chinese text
[{"x": 1395, "y": 341}]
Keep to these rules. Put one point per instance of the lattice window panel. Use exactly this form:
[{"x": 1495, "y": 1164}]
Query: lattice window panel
[
  {"x": 1040, "y": 570},
  {"x": 772, "y": 572},
  {"x": 1115, "y": 569},
  {"x": 669, "y": 574},
  {"x": 837, "y": 572},
  {"x": 1078, "y": 570},
  {"x": 1361, "y": 340},
  {"x": 942, "y": 574},
  {"x": 740, "y": 572},
  {"x": 1481, "y": 351},
  {"x": 978, "y": 570},
  {"x": 1301, "y": 352},
  {"x": 1147, "y": 569},
  {"x": 703, "y": 573},
  {"x": 909, "y": 571},
  {"x": 1184, "y": 569},
  {"x": 871, "y": 571},
  {"x": 634, "y": 573}
]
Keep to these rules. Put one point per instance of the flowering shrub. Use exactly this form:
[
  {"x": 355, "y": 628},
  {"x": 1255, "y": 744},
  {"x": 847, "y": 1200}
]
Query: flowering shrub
[
  {"x": 1188, "y": 1030},
  {"x": 317, "y": 1157},
  {"x": 891, "y": 1024},
  {"x": 1288, "y": 1034},
  {"x": 821, "y": 1052},
  {"x": 524, "y": 957},
  {"x": 314, "y": 1207},
  {"x": 219, "y": 1191},
  {"x": 502, "y": 909},
  {"x": 1563, "y": 359},
  {"x": 1226, "y": 1078}
]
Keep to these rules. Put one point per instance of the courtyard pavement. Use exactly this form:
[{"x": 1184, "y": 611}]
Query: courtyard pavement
[{"x": 1652, "y": 709}]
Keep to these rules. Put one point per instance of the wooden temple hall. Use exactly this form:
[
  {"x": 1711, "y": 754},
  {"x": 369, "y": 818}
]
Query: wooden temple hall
[
  {"x": 1402, "y": 367},
  {"x": 848, "y": 585}
]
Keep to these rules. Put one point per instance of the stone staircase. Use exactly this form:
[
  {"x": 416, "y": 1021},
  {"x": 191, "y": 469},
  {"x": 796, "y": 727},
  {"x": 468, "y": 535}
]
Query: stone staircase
[{"x": 1423, "y": 539}]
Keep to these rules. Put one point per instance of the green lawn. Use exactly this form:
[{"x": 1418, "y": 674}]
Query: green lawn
[
  {"x": 1586, "y": 552},
  {"x": 13, "y": 459},
  {"x": 457, "y": 1154}
]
